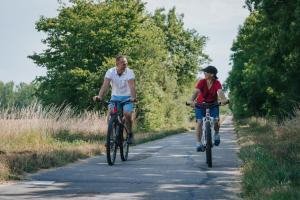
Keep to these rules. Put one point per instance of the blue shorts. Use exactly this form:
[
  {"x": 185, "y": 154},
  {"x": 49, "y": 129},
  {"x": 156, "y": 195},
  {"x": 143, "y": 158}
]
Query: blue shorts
[
  {"x": 200, "y": 113},
  {"x": 128, "y": 107}
]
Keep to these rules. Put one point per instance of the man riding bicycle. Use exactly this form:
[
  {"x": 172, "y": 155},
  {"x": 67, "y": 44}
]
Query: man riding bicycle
[
  {"x": 207, "y": 90},
  {"x": 122, "y": 81}
]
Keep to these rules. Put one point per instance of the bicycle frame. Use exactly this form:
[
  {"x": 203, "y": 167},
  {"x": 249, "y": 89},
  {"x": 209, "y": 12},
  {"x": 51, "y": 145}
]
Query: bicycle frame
[
  {"x": 207, "y": 119},
  {"x": 117, "y": 113},
  {"x": 114, "y": 141}
]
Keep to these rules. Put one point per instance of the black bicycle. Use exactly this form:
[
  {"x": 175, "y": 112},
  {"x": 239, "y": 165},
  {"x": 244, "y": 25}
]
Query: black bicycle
[
  {"x": 208, "y": 130},
  {"x": 117, "y": 133}
]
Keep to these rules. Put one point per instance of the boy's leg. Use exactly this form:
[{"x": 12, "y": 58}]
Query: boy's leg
[
  {"x": 199, "y": 116},
  {"x": 215, "y": 114}
]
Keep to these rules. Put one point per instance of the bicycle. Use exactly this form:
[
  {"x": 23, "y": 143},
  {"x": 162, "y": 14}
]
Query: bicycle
[
  {"x": 208, "y": 130},
  {"x": 115, "y": 133}
]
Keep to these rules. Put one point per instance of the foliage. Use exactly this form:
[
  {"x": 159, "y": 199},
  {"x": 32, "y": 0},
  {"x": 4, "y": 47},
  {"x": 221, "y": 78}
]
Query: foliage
[
  {"x": 84, "y": 39},
  {"x": 19, "y": 96},
  {"x": 265, "y": 77}
]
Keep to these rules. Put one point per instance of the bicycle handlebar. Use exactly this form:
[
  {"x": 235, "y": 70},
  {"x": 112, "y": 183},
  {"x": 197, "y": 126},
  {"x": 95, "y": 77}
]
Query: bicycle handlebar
[
  {"x": 115, "y": 101},
  {"x": 207, "y": 105}
]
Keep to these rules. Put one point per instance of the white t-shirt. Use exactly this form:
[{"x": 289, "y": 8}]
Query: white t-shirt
[{"x": 118, "y": 83}]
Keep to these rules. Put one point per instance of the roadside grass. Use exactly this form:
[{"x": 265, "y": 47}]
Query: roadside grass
[
  {"x": 39, "y": 137},
  {"x": 224, "y": 110},
  {"x": 36, "y": 138},
  {"x": 271, "y": 158}
]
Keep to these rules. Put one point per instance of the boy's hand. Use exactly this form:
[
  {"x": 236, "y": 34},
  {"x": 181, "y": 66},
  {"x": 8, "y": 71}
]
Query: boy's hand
[
  {"x": 224, "y": 102},
  {"x": 190, "y": 103}
]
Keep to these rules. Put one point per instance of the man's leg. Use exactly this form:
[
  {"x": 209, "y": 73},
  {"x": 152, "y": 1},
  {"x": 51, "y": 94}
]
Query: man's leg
[
  {"x": 128, "y": 121},
  {"x": 128, "y": 110}
]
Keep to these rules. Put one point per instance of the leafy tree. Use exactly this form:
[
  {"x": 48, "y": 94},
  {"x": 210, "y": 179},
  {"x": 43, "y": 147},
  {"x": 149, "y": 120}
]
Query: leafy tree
[
  {"x": 84, "y": 39},
  {"x": 265, "y": 77},
  {"x": 21, "y": 95},
  {"x": 185, "y": 47},
  {"x": 25, "y": 95},
  {"x": 7, "y": 93}
]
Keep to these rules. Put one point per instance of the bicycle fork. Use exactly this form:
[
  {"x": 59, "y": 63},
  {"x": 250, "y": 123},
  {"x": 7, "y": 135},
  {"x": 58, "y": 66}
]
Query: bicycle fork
[{"x": 210, "y": 120}]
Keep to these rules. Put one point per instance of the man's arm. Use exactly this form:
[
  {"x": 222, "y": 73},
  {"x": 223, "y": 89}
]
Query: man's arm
[
  {"x": 104, "y": 88},
  {"x": 131, "y": 84}
]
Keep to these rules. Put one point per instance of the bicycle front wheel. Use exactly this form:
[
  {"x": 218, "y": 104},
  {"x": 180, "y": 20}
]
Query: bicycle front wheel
[
  {"x": 111, "y": 142},
  {"x": 124, "y": 146},
  {"x": 208, "y": 144}
]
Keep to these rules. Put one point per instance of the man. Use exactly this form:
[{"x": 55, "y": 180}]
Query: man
[
  {"x": 207, "y": 90},
  {"x": 122, "y": 81}
]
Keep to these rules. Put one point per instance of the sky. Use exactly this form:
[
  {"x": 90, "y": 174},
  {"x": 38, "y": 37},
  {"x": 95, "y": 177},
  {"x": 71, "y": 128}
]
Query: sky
[{"x": 219, "y": 20}]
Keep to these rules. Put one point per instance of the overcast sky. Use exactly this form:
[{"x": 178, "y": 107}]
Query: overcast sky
[{"x": 217, "y": 19}]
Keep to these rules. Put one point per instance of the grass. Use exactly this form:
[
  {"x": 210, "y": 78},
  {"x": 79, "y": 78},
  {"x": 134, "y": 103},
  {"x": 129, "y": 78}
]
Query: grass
[
  {"x": 39, "y": 137},
  {"x": 271, "y": 158},
  {"x": 224, "y": 110}
]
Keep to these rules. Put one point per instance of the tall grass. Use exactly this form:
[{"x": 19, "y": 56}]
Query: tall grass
[
  {"x": 49, "y": 120},
  {"x": 271, "y": 158},
  {"x": 32, "y": 136}
]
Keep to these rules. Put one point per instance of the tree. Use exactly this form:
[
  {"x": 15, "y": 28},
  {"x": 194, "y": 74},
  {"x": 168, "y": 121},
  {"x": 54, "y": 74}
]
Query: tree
[
  {"x": 83, "y": 41},
  {"x": 19, "y": 96},
  {"x": 265, "y": 77},
  {"x": 185, "y": 47}
]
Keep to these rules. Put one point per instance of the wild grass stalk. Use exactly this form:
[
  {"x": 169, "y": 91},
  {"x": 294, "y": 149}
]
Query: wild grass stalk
[{"x": 32, "y": 134}]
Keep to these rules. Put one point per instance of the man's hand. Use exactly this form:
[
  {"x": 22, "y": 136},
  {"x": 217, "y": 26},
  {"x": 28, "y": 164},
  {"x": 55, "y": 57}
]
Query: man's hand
[
  {"x": 133, "y": 100},
  {"x": 97, "y": 98}
]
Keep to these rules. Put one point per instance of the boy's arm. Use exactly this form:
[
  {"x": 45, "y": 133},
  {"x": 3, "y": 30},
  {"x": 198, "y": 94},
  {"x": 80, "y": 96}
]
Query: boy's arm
[{"x": 222, "y": 96}]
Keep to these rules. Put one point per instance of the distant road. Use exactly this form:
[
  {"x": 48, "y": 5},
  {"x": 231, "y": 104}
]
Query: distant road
[{"x": 169, "y": 168}]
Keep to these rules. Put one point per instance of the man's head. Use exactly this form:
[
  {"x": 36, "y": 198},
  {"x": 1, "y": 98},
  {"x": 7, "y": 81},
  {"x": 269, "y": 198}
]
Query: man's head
[
  {"x": 121, "y": 63},
  {"x": 210, "y": 72}
]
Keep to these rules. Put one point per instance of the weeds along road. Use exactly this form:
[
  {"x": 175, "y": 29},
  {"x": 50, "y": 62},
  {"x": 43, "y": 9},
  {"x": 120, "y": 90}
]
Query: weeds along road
[{"x": 169, "y": 168}]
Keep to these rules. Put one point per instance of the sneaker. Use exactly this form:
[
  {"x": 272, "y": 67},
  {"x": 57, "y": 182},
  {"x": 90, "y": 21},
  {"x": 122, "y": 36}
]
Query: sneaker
[
  {"x": 217, "y": 139},
  {"x": 200, "y": 147},
  {"x": 130, "y": 139}
]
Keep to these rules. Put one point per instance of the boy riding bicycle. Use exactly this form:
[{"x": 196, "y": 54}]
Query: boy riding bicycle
[{"x": 207, "y": 90}]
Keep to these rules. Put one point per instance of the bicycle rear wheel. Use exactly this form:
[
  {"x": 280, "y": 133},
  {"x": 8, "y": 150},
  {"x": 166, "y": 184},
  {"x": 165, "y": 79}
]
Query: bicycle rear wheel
[
  {"x": 124, "y": 146},
  {"x": 111, "y": 142},
  {"x": 208, "y": 144}
]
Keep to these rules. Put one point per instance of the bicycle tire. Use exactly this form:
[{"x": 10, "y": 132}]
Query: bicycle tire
[
  {"x": 124, "y": 146},
  {"x": 111, "y": 142},
  {"x": 208, "y": 144}
]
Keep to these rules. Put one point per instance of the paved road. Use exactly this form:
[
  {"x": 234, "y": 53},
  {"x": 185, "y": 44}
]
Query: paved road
[{"x": 164, "y": 169}]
